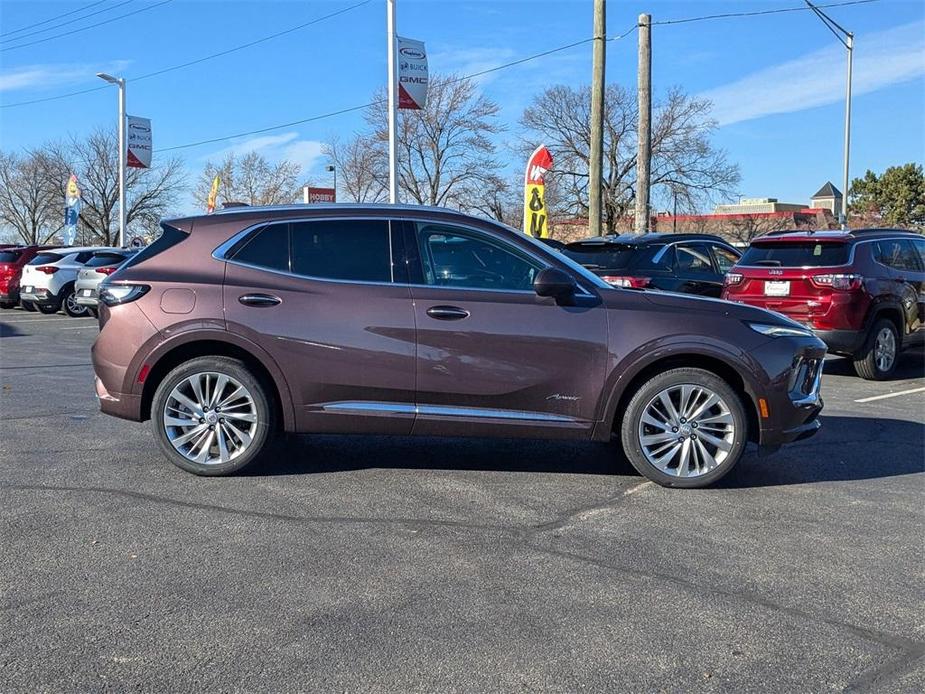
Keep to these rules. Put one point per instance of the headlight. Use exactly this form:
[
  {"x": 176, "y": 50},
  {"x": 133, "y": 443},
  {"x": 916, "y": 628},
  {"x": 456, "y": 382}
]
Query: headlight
[
  {"x": 781, "y": 330},
  {"x": 115, "y": 294}
]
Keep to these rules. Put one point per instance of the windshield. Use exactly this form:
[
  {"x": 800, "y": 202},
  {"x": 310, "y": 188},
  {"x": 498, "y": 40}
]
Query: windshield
[
  {"x": 104, "y": 259},
  {"x": 796, "y": 254},
  {"x": 9, "y": 256}
]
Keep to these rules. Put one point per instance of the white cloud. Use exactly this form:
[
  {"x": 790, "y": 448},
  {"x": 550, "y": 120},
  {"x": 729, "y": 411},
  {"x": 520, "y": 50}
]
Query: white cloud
[
  {"x": 55, "y": 74},
  {"x": 815, "y": 79},
  {"x": 275, "y": 148}
]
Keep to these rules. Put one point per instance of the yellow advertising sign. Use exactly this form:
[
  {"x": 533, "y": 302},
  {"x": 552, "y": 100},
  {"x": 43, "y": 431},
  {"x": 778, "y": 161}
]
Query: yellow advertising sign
[
  {"x": 535, "y": 215},
  {"x": 213, "y": 194}
]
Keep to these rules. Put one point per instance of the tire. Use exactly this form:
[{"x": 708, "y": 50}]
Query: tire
[
  {"x": 202, "y": 439},
  {"x": 27, "y": 305},
  {"x": 875, "y": 362},
  {"x": 70, "y": 305},
  {"x": 662, "y": 460},
  {"x": 48, "y": 309},
  {"x": 93, "y": 311}
]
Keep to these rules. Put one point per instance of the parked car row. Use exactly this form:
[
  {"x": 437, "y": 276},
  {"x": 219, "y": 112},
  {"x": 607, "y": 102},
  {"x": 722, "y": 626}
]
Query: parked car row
[{"x": 50, "y": 279}]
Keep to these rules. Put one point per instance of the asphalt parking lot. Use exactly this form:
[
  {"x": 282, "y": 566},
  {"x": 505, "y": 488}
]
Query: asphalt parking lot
[{"x": 386, "y": 564}]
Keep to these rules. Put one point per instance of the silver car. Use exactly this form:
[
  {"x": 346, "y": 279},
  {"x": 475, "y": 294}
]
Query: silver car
[{"x": 99, "y": 267}]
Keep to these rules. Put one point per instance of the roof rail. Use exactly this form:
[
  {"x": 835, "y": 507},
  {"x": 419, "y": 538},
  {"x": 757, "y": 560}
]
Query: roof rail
[{"x": 880, "y": 230}]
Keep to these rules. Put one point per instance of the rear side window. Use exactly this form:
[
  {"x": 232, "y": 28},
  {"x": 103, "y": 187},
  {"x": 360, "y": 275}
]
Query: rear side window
[
  {"x": 9, "y": 256},
  {"x": 724, "y": 258},
  {"x": 693, "y": 259},
  {"x": 611, "y": 256},
  {"x": 796, "y": 254},
  {"x": 170, "y": 237},
  {"x": 352, "y": 249},
  {"x": 268, "y": 248},
  {"x": 45, "y": 259},
  {"x": 104, "y": 259},
  {"x": 899, "y": 254}
]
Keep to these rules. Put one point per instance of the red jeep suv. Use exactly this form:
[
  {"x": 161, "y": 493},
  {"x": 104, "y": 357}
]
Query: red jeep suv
[{"x": 861, "y": 291}]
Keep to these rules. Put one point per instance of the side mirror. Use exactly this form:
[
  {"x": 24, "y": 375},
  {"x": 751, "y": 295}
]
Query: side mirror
[{"x": 555, "y": 283}]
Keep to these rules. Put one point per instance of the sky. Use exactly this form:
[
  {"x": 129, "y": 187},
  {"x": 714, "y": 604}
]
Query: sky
[{"x": 776, "y": 81}]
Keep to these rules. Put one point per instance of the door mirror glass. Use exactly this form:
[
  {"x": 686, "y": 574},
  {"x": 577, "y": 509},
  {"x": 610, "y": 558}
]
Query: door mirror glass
[{"x": 555, "y": 283}]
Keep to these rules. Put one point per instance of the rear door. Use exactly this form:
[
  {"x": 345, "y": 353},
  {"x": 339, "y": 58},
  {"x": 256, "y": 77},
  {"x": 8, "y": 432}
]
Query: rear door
[
  {"x": 907, "y": 276},
  {"x": 493, "y": 357},
  {"x": 322, "y": 298}
]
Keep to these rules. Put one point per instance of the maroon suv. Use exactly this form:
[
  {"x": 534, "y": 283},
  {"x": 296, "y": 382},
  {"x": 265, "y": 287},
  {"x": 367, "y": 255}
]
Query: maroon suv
[
  {"x": 413, "y": 320},
  {"x": 862, "y": 291}
]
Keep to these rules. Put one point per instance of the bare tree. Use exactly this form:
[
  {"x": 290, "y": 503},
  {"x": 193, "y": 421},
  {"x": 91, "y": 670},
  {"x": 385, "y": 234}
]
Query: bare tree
[
  {"x": 28, "y": 206},
  {"x": 683, "y": 159},
  {"x": 250, "y": 179},
  {"x": 361, "y": 172},
  {"x": 445, "y": 149}
]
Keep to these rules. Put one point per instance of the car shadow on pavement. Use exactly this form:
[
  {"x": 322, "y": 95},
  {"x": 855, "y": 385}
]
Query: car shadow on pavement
[{"x": 7, "y": 330}]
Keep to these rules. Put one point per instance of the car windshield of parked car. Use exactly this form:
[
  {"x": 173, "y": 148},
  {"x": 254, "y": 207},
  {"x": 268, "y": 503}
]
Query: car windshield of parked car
[
  {"x": 104, "y": 259},
  {"x": 9, "y": 256},
  {"x": 796, "y": 254},
  {"x": 45, "y": 259}
]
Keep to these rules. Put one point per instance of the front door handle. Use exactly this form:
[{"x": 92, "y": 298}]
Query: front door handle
[
  {"x": 259, "y": 300},
  {"x": 447, "y": 312}
]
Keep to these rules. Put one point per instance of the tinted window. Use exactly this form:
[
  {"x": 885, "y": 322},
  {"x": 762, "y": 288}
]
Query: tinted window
[
  {"x": 83, "y": 256},
  {"x": 268, "y": 248},
  {"x": 693, "y": 259},
  {"x": 796, "y": 254},
  {"x": 354, "y": 249},
  {"x": 897, "y": 254},
  {"x": 104, "y": 259},
  {"x": 9, "y": 256},
  {"x": 919, "y": 245},
  {"x": 170, "y": 236},
  {"x": 597, "y": 256},
  {"x": 454, "y": 258},
  {"x": 724, "y": 258},
  {"x": 45, "y": 259}
]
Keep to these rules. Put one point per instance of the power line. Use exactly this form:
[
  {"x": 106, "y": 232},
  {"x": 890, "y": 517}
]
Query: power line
[
  {"x": 89, "y": 26},
  {"x": 51, "y": 19},
  {"x": 729, "y": 15},
  {"x": 56, "y": 26},
  {"x": 380, "y": 101},
  {"x": 196, "y": 61}
]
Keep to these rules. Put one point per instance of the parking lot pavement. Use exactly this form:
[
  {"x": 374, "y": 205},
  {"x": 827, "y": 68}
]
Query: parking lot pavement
[{"x": 377, "y": 563}]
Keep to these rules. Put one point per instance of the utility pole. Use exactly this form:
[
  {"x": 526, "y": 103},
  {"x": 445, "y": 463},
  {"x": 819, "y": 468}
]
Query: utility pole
[
  {"x": 596, "y": 158},
  {"x": 644, "y": 154},
  {"x": 120, "y": 82},
  {"x": 393, "y": 106}
]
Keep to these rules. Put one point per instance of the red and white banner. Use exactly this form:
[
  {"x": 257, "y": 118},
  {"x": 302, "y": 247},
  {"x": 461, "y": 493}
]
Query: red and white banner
[
  {"x": 138, "y": 142},
  {"x": 535, "y": 214},
  {"x": 412, "y": 74},
  {"x": 316, "y": 195}
]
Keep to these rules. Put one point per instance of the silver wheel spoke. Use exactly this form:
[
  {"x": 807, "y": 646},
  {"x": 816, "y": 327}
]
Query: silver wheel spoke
[
  {"x": 241, "y": 416},
  {"x": 721, "y": 444},
  {"x": 193, "y": 433},
  {"x": 183, "y": 400},
  {"x": 222, "y": 445},
  {"x": 181, "y": 422},
  {"x": 669, "y": 407},
  {"x": 703, "y": 407},
  {"x": 659, "y": 438}
]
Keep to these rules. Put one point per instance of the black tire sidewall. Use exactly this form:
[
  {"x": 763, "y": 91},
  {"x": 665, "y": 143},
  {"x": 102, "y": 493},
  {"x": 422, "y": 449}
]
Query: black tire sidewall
[
  {"x": 648, "y": 390},
  {"x": 866, "y": 363},
  {"x": 229, "y": 367},
  {"x": 47, "y": 309}
]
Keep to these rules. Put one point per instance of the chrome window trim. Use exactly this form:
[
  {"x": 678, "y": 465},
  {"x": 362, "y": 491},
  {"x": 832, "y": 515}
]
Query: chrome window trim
[
  {"x": 223, "y": 248},
  {"x": 369, "y": 406}
]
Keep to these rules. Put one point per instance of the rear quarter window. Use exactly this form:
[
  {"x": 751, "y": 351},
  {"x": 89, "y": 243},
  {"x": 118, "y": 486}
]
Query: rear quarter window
[
  {"x": 796, "y": 254},
  {"x": 169, "y": 237}
]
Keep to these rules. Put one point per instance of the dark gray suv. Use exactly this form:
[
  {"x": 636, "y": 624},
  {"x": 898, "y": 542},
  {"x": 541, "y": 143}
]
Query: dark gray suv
[{"x": 424, "y": 321}]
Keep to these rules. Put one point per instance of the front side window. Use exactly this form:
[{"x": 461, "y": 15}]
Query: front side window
[
  {"x": 268, "y": 248},
  {"x": 354, "y": 250},
  {"x": 455, "y": 258},
  {"x": 725, "y": 259},
  {"x": 693, "y": 259}
]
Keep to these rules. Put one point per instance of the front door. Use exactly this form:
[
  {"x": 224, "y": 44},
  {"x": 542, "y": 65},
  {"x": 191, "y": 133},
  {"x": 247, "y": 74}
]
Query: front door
[
  {"x": 696, "y": 274},
  {"x": 321, "y": 297},
  {"x": 493, "y": 357}
]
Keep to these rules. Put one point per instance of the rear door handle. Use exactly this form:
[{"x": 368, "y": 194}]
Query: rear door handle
[
  {"x": 447, "y": 312},
  {"x": 259, "y": 300}
]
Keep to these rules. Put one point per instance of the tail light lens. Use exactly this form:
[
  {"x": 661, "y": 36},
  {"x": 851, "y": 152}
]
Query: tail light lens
[
  {"x": 840, "y": 282},
  {"x": 6, "y": 270},
  {"x": 630, "y": 282},
  {"x": 733, "y": 278},
  {"x": 106, "y": 270},
  {"x": 47, "y": 269},
  {"x": 116, "y": 294}
]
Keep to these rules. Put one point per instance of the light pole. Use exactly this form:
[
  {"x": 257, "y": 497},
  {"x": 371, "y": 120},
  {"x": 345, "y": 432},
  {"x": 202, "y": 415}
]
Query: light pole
[
  {"x": 393, "y": 103},
  {"x": 121, "y": 84},
  {"x": 847, "y": 40},
  {"x": 333, "y": 170}
]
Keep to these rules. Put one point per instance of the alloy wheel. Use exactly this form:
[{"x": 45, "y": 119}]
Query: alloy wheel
[
  {"x": 687, "y": 430},
  {"x": 72, "y": 308},
  {"x": 210, "y": 418},
  {"x": 885, "y": 349}
]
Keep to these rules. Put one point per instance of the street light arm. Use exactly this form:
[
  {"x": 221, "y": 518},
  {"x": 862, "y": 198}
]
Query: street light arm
[{"x": 831, "y": 25}]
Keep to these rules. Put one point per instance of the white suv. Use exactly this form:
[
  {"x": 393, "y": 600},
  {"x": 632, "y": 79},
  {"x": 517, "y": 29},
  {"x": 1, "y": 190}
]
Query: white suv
[{"x": 48, "y": 280}]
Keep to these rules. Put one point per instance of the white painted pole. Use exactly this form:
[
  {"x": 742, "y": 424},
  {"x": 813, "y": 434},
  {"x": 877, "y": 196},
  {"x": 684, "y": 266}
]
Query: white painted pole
[
  {"x": 122, "y": 154},
  {"x": 849, "y": 44},
  {"x": 393, "y": 106}
]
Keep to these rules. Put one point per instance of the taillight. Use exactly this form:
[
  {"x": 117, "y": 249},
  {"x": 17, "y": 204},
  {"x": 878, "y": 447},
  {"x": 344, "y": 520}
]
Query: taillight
[
  {"x": 115, "y": 294},
  {"x": 6, "y": 270},
  {"x": 47, "y": 269},
  {"x": 630, "y": 282},
  {"x": 732, "y": 279},
  {"x": 845, "y": 283},
  {"x": 106, "y": 270}
]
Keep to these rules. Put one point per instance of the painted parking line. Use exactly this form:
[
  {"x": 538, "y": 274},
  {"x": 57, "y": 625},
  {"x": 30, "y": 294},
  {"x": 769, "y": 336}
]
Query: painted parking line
[
  {"x": 892, "y": 395},
  {"x": 49, "y": 319}
]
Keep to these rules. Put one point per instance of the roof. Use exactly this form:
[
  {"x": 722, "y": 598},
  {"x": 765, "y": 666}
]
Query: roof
[
  {"x": 827, "y": 191},
  {"x": 832, "y": 236},
  {"x": 332, "y": 206},
  {"x": 646, "y": 239}
]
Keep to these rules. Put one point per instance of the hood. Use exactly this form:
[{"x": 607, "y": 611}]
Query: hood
[{"x": 732, "y": 309}]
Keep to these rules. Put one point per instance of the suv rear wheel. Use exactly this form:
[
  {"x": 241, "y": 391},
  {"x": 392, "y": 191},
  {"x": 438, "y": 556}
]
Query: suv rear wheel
[
  {"x": 684, "y": 428},
  {"x": 877, "y": 359},
  {"x": 211, "y": 416},
  {"x": 70, "y": 305}
]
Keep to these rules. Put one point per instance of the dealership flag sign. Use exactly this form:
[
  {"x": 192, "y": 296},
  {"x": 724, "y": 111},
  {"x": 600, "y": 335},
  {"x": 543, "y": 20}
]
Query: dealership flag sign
[
  {"x": 412, "y": 74},
  {"x": 534, "y": 193},
  {"x": 71, "y": 211},
  {"x": 139, "y": 142}
]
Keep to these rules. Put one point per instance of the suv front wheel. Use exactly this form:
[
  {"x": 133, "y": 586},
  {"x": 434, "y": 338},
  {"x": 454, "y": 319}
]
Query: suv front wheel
[
  {"x": 212, "y": 416},
  {"x": 684, "y": 428},
  {"x": 877, "y": 359}
]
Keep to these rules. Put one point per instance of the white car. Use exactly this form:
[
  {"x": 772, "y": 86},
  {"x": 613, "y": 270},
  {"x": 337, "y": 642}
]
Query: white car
[{"x": 48, "y": 280}]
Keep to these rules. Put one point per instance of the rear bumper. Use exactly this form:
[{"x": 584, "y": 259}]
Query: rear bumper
[
  {"x": 39, "y": 295},
  {"x": 122, "y": 405},
  {"x": 86, "y": 297},
  {"x": 11, "y": 296},
  {"x": 842, "y": 341}
]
